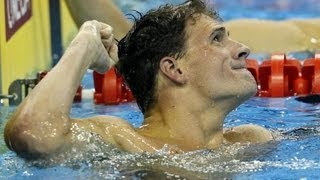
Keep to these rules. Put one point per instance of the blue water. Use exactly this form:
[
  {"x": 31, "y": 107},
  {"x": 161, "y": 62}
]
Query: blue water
[
  {"x": 294, "y": 155},
  {"x": 234, "y": 9}
]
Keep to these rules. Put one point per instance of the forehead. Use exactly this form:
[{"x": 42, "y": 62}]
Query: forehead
[{"x": 201, "y": 26}]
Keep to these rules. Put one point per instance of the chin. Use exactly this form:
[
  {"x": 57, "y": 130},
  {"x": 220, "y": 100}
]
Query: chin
[
  {"x": 249, "y": 89},
  {"x": 246, "y": 82},
  {"x": 246, "y": 88},
  {"x": 251, "y": 92}
]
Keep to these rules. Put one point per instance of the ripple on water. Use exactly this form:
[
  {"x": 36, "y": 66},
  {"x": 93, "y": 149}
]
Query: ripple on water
[
  {"x": 93, "y": 158},
  {"x": 295, "y": 150}
]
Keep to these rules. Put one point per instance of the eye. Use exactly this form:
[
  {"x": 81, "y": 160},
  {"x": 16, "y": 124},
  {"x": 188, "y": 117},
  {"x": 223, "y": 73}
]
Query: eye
[
  {"x": 218, "y": 38},
  {"x": 218, "y": 35}
]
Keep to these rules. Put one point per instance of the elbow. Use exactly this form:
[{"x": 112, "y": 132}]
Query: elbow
[
  {"x": 15, "y": 140},
  {"x": 21, "y": 138}
]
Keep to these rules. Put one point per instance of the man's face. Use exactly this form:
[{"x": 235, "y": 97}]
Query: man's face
[{"x": 215, "y": 64}]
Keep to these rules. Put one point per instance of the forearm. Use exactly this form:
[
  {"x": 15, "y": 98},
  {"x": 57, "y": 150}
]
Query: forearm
[
  {"x": 102, "y": 10},
  {"x": 41, "y": 123},
  {"x": 63, "y": 80}
]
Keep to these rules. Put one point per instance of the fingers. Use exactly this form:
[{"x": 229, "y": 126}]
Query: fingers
[
  {"x": 107, "y": 36},
  {"x": 113, "y": 53},
  {"x": 90, "y": 26},
  {"x": 105, "y": 31},
  {"x": 108, "y": 42},
  {"x": 107, "y": 49}
]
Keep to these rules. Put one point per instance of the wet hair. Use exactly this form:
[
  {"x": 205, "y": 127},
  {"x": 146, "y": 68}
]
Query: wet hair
[{"x": 158, "y": 33}]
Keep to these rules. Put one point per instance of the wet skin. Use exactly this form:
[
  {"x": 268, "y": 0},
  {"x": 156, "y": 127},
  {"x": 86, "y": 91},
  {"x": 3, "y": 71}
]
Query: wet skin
[{"x": 194, "y": 94}]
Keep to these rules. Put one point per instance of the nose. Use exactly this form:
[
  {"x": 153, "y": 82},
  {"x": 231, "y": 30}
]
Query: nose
[{"x": 243, "y": 52}]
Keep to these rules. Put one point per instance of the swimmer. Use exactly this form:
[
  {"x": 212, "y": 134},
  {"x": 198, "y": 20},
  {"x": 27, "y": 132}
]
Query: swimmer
[
  {"x": 184, "y": 71},
  {"x": 259, "y": 35},
  {"x": 101, "y": 10},
  {"x": 268, "y": 36}
]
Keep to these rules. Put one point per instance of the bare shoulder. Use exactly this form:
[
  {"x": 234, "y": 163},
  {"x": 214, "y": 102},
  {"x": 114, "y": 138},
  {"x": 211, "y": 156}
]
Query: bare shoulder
[
  {"x": 116, "y": 131},
  {"x": 105, "y": 126},
  {"x": 103, "y": 121},
  {"x": 248, "y": 133}
]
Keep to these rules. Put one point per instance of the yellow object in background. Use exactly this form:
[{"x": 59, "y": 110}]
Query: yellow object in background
[
  {"x": 25, "y": 38},
  {"x": 68, "y": 26},
  {"x": 270, "y": 36},
  {"x": 28, "y": 49}
]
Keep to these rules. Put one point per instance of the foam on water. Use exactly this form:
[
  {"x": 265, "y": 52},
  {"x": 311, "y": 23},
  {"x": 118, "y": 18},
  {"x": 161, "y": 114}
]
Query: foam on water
[
  {"x": 96, "y": 159},
  {"x": 294, "y": 152}
]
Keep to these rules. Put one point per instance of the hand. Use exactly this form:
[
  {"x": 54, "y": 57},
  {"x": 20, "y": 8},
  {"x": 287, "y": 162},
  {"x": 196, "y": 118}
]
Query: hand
[{"x": 105, "y": 46}]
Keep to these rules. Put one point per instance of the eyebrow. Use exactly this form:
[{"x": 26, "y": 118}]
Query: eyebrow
[{"x": 217, "y": 31}]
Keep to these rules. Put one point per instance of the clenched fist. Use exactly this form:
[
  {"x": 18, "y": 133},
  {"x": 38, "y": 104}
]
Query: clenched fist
[{"x": 105, "y": 46}]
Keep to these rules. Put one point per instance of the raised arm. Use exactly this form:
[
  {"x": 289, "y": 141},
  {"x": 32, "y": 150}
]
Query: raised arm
[
  {"x": 41, "y": 123},
  {"x": 102, "y": 10}
]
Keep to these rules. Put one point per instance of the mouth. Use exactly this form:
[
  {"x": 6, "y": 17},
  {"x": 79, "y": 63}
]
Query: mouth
[{"x": 238, "y": 66}]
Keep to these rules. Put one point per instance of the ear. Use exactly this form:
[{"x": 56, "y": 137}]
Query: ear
[{"x": 169, "y": 67}]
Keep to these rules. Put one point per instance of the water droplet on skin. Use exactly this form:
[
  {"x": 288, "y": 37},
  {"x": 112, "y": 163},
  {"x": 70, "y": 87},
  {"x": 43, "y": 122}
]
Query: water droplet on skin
[
  {"x": 314, "y": 40},
  {"x": 139, "y": 164}
]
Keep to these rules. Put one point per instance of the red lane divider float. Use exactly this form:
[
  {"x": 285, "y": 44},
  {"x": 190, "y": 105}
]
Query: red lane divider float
[
  {"x": 311, "y": 73},
  {"x": 282, "y": 77},
  {"x": 110, "y": 88},
  {"x": 275, "y": 77}
]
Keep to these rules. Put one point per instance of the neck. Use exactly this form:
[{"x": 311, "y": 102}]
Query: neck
[{"x": 189, "y": 119}]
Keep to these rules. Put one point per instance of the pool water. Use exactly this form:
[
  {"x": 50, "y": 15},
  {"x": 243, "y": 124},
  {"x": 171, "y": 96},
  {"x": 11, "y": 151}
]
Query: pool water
[
  {"x": 234, "y": 9},
  {"x": 295, "y": 154}
]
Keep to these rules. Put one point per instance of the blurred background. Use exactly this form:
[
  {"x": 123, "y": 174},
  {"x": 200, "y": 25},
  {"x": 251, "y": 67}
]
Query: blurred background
[
  {"x": 234, "y": 9},
  {"x": 34, "y": 33}
]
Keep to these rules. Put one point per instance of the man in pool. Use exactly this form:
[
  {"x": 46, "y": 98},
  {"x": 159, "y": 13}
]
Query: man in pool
[{"x": 184, "y": 71}]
